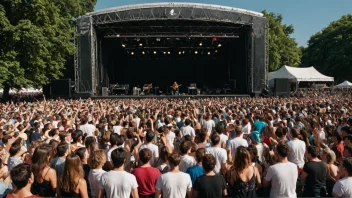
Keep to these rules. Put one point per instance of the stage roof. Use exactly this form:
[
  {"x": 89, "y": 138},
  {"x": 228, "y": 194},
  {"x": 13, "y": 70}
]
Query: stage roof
[{"x": 176, "y": 4}]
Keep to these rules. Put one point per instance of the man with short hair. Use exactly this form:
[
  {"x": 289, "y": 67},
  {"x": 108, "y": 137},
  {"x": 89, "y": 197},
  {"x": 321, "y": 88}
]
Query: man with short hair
[
  {"x": 118, "y": 182},
  {"x": 283, "y": 175},
  {"x": 219, "y": 154},
  {"x": 22, "y": 180},
  {"x": 197, "y": 170},
  {"x": 149, "y": 137},
  {"x": 85, "y": 127},
  {"x": 259, "y": 125},
  {"x": 186, "y": 160},
  {"x": 297, "y": 149},
  {"x": 343, "y": 187},
  {"x": 174, "y": 184},
  {"x": 188, "y": 130},
  {"x": 314, "y": 174},
  {"x": 58, "y": 163},
  {"x": 234, "y": 143},
  {"x": 146, "y": 175}
]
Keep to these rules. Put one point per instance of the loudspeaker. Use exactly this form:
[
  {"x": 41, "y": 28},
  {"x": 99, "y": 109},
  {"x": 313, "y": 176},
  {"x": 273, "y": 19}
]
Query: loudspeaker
[
  {"x": 264, "y": 93},
  {"x": 282, "y": 87},
  {"x": 60, "y": 88},
  {"x": 104, "y": 91}
]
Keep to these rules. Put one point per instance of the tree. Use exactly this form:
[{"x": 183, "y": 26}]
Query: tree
[
  {"x": 283, "y": 49},
  {"x": 330, "y": 49},
  {"x": 36, "y": 39}
]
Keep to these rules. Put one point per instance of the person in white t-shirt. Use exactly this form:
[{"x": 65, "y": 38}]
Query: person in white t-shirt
[
  {"x": 219, "y": 154},
  {"x": 96, "y": 162},
  {"x": 186, "y": 160},
  {"x": 116, "y": 141},
  {"x": 343, "y": 187},
  {"x": 209, "y": 124},
  {"x": 283, "y": 175},
  {"x": 149, "y": 137},
  {"x": 117, "y": 128},
  {"x": 86, "y": 128},
  {"x": 233, "y": 144},
  {"x": 175, "y": 183},
  {"x": 169, "y": 135},
  {"x": 297, "y": 149},
  {"x": 118, "y": 182},
  {"x": 188, "y": 130}
]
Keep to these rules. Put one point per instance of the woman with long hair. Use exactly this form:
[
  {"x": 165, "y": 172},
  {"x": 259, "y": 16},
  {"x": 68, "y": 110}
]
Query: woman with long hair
[
  {"x": 91, "y": 144},
  {"x": 329, "y": 158},
  {"x": 73, "y": 183},
  {"x": 45, "y": 180},
  {"x": 83, "y": 155},
  {"x": 245, "y": 178}
]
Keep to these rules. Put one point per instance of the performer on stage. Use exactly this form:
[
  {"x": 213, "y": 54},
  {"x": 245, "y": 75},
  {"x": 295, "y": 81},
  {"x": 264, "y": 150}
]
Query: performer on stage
[{"x": 175, "y": 88}]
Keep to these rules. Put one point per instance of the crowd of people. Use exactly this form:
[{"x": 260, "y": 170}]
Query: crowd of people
[{"x": 177, "y": 148}]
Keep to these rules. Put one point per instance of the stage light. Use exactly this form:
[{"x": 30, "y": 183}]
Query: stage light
[
  {"x": 196, "y": 52},
  {"x": 200, "y": 44},
  {"x": 154, "y": 52},
  {"x": 168, "y": 52},
  {"x": 219, "y": 45},
  {"x": 141, "y": 44},
  {"x": 164, "y": 52},
  {"x": 180, "y": 52},
  {"x": 143, "y": 52},
  {"x": 132, "y": 53},
  {"x": 216, "y": 51},
  {"x": 157, "y": 39},
  {"x": 208, "y": 53},
  {"x": 123, "y": 45},
  {"x": 183, "y": 52}
]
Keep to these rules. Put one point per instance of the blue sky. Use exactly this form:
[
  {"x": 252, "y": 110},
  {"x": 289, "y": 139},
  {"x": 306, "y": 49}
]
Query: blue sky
[{"x": 307, "y": 16}]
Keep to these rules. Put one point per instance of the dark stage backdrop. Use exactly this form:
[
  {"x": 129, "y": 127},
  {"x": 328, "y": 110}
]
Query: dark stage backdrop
[{"x": 228, "y": 63}]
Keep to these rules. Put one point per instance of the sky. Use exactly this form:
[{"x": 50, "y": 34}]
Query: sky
[{"x": 307, "y": 16}]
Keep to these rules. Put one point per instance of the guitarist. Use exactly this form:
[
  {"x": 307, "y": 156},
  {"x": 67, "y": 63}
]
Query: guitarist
[{"x": 175, "y": 88}]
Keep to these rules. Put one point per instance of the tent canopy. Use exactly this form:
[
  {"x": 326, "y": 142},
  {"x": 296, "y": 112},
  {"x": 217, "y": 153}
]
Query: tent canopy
[
  {"x": 295, "y": 74},
  {"x": 345, "y": 84}
]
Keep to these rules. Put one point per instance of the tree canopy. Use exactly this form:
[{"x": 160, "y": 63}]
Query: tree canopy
[
  {"x": 330, "y": 50},
  {"x": 36, "y": 37},
  {"x": 283, "y": 49}
]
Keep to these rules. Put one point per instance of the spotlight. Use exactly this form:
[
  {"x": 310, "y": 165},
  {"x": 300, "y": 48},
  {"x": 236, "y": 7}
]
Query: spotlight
[
  {"x": 200, "y": 44},
  {"x": 141, "y": 44},
  {"x": 219, "y": 45},
  {"x": 123, "y": 45},
  {"x": 157, "y": 39},
  {"x": 132, "y": 53},
  {"x": 164, "y": 52},
  {"x": 154, "y": 52},
  {"x": 168, "y": 52},
  {"x": 180, "y": 52},
  {"x": 143, "y": 52},
  {"x": 183, "y": 52},
  {"x": 208, "y": 53},
  {"x": 196, "y": 52}
]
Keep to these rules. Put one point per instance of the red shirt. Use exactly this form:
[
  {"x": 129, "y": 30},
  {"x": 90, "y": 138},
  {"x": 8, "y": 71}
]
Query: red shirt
[{"x": 146, "y": 179}]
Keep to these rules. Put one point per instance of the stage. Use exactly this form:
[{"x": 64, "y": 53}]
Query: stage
[
  {"x": 170, "y": 96},
  {"x": 212, "y": 47}
]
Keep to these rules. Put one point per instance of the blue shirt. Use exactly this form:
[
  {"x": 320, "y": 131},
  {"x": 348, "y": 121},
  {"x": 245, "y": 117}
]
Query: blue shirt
[
  {"x": 35, "y": 136},
  {"x": 195, "y": 172},
  {"x": 259, "y": 126}
]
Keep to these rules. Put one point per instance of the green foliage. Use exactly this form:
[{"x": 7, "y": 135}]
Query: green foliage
[
  {"x": 36, "y": 39},
  {"x": 330, "y": 50},
  {"x": 283, "y": 49}
]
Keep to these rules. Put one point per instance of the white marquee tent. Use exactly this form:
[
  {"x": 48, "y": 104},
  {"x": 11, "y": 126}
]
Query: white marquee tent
[
  {"x": 345, "y": 84},
  {"x": 294, "y": 74}
]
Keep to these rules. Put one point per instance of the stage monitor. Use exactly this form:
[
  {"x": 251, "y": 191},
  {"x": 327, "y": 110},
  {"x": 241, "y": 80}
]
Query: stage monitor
[{"x": 60, "y": 88}]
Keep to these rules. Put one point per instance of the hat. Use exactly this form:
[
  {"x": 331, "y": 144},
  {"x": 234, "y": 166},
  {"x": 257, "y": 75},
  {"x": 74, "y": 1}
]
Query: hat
[{"x": 255, "y": 135}]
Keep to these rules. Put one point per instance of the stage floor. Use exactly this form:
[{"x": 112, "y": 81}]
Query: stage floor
[{"x": 169, "y": 96}]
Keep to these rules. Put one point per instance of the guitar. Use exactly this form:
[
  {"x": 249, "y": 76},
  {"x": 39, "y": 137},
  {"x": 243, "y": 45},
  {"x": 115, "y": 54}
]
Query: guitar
[{"x": 175, "y": 86}]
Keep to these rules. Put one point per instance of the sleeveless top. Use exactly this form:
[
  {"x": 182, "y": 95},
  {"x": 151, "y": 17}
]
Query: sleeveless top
[
  {"x": 72, "y": 194},
  {"x": 241, "y": 189},
  {"x": 43, "y": 189}
]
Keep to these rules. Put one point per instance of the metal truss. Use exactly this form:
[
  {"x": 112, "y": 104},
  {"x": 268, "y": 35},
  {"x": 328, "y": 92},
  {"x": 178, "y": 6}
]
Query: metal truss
[{"x": 76, "y": 60}]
